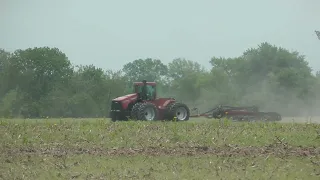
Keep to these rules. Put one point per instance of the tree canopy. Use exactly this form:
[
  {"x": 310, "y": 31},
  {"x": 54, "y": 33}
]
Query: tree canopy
[{"x": 41, "y": 82}]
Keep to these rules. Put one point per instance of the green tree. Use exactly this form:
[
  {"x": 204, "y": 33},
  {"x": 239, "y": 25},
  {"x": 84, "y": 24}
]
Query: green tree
[
  {"x": 8, "y": 76},
  {"x": 149, "y": 69},
  {"x": 185, "y": 79},
  {"x": 39, "y": 71},
  {"x": 8, "y": 104}
]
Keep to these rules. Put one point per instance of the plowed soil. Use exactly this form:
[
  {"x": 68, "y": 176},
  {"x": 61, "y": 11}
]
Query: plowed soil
[{"x": 188, "y": 151}]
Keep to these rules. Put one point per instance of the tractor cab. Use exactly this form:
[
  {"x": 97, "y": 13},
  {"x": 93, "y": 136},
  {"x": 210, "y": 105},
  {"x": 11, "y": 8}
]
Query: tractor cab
[{"x": 145, "y": 91}]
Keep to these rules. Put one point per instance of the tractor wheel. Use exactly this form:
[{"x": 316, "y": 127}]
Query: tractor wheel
[
  {"x": 113, "y": 118},
  {"x": 147, "y": 112},
  {"x": 167, "y": 114},
  {"x": 180, "y": 112},
  {"x": 117, "y": 117},
  {"x": 135, "y": 110}
]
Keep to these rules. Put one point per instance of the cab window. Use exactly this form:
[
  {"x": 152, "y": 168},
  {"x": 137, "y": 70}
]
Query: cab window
[{"x": 150, "y": 91}]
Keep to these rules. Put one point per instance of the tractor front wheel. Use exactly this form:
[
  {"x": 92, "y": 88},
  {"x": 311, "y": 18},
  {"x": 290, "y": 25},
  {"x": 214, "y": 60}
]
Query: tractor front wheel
[
  {"x": 147, "y": 112},
  {"x": 180, "y": 112},
  {"x": 135, "y": 111}
]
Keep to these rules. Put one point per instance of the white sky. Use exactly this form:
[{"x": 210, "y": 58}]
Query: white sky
[{"x": 111, "y": 33}]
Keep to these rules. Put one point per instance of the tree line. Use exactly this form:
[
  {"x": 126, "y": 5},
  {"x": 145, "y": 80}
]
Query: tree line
[{"x": 42, "y": 82}]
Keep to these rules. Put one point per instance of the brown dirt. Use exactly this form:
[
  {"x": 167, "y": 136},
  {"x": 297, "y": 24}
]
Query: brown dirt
[{"x": 277, "y": 150}]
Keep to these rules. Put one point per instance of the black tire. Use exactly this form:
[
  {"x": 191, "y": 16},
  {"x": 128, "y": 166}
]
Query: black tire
[
  {"x": 178, "y": 108},
  {"x": 135, "y": 110},
  {"x": 167, "y": 114},
  {"x": 217, "y": 113},
  {"x": 113, "y": 118},
  {"x": 143, "y": 115}
]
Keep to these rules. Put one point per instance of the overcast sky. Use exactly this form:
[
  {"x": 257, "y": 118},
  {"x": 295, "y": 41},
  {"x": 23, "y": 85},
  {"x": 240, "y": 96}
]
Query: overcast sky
[{"x": 111, "y": 33}]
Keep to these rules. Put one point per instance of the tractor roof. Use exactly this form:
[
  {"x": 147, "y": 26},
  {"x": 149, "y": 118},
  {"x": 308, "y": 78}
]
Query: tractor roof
[{"x": 148, "y": 83}]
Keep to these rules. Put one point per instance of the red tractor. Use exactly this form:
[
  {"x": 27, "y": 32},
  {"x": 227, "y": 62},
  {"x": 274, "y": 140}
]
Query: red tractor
[{"x": 143, "y": 104}]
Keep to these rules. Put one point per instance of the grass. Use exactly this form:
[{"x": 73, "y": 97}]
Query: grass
[{"x": 205, "y": 149}]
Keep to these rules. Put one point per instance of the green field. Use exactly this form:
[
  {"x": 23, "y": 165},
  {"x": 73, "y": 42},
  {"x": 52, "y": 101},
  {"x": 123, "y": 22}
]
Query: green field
[{"x": 198, "y": 149}]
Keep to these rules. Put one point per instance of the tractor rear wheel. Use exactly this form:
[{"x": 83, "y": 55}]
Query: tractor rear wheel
[
  {"x": 180, "y": 112},
  {"x": 167, "y": 112},
  {"x": 147, "y": 112},
  {"x": 135, "y": 111}
]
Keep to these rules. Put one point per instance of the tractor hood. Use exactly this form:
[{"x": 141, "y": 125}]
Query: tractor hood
[{"x": 130, "y": 97}]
